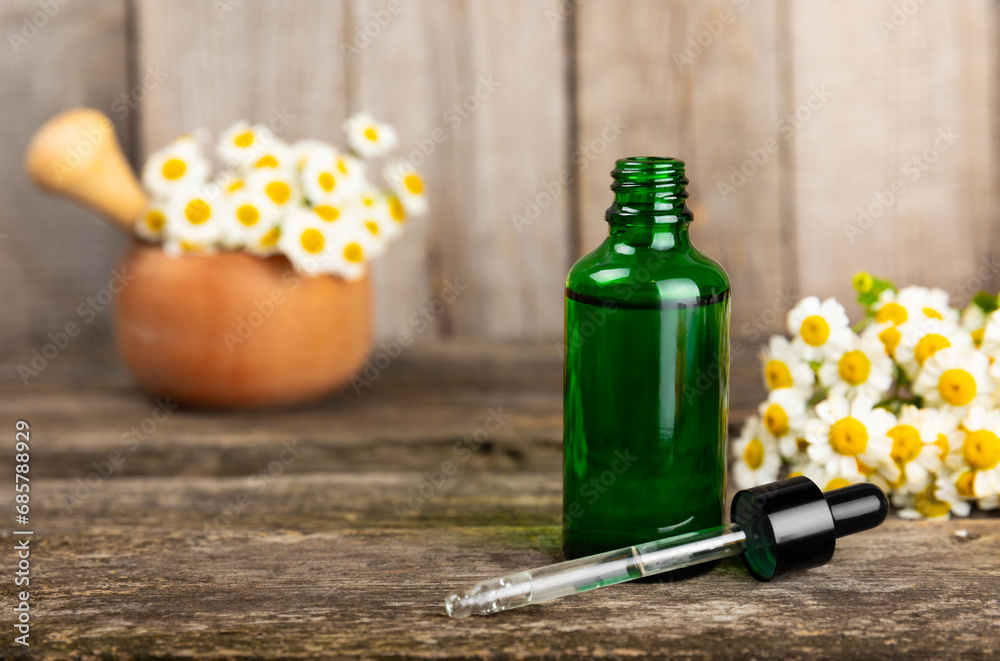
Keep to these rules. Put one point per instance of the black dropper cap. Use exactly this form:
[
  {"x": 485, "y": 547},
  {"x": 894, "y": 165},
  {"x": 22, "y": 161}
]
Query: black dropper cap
[{"x": 792, "y": 524}]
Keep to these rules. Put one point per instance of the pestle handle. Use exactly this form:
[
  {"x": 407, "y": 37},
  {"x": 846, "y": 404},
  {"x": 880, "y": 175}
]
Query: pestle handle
[{"x": 76, "y": 154}]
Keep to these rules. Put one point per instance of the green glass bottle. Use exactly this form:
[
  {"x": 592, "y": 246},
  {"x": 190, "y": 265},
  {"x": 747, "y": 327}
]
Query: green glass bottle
[{"x": 646, "y": 372}]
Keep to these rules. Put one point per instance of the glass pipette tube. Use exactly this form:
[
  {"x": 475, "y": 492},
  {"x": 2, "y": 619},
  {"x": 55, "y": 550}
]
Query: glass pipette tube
[{"x": 597, "y": 571}]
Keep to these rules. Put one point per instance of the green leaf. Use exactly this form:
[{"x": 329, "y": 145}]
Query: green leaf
[{"x": 986, "y": 301}]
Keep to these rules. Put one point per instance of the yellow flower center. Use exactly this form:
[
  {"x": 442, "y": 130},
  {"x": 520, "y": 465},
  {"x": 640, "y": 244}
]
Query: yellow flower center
[
  {"x": 368, "y": 201},
  {"x": 957, "y": 387},
  {"x": 155, "y": 220},
  {"x": 893, "y": 312},
  {"x": 174, "y": 169},
  {"x": 977, "y": 337},
  {"x": 906, "y": 443},
  {"x": 928, "y": 505},
  {"x": 890, "y": 339},
  {"x": 981, "y": 450},
  {"x": 836, "y": 483},
  {"x": 326, "y": 181},
  {"x": 267, "y": 162},
  {"x": 278, "y": 191},
  {"x": 777, "y": 374},
  {"x": 371, "y": 134},
  {"x": 271, "y": 237},
  {"x": 235, "y": 186},
  {"x": 814, "y": 330},
  {"x": 864, "y": 468},
  {"x": 372, "y": 227},
  {"x": 413, "y": 184},
  {"x": 964, "y": 484},
  {"x": 197, "y": 211},
  {"x": 353, "y": 253},
  {"x": 247, "y": 215},
  {"x": 929, "y": 345},
  {"x": 396, "y": 210},
  {"x": 854, "y": 367},
  {"x": 327, "y": 213},
  {"x": 776, "y": 420},
  {"x": 933, "y": 314},
  {"x": 863, "y": 282},
  {"x": 848, "y": 437},
  {"x": 943, "y": 445},
  {"x": 312, "y": 241},
  {"x": 753, "y": 455},
  {"x": 244, "y": 139},
  {"x": 342, "y": 165}
]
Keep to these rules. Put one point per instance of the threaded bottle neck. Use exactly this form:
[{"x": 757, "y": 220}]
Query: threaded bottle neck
[{"x": 649, "y": 190}]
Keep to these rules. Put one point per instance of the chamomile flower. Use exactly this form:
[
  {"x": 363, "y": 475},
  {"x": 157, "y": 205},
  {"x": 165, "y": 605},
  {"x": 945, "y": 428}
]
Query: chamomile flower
[
  {"x": 757, "y": 459},
  {"x": 914, "y": 304},
  {"x": 974, "y": 323},
  {"x": 351, "y": 246},
  {"x": 194, "y": 219},
  {"x": 367, "y": 137},
  {"x": 954, "y": 379},
  {"x": 946, "y": 490},
  {"x": 247, "y": 218},
  {"x": 266, "y": 244},
  {"x": 397, "y": 214},
  {"x": 307, "y": 150},
  {"x": 990, "y": 343},
  {"x": 978, "y": 449},
  {"x": 408, "y": 186},
  {"x": 375, "y": 220},
  {"x": 331, "y": 178},
  {"x": 922, "y": 339},
  {"x": 848, "y": 437},
  {"x": 820, "y": 329},
  {"x": 178, "y": 166},
  {"x": 275, "y": 155},
  {"x": 928, "y": 504},
  {"x": 149, "y": 225},
  {"x": 783, "y": 414},
  {"x": 241, "y": 144},
  {"x": 919, "y": 444},
  {"x": 784, "y": 367},
  {"x": 862, "y": 368},
  {"x": 305, "y": 240},
  {"x": 279, "y": 188}
]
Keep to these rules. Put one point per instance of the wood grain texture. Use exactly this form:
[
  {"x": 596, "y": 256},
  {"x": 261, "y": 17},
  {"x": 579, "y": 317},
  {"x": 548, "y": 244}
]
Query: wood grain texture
[
  {"x": 701, "y": 82},
  {"x": 909, "y": 135},
  {"x": 477, "y": 90},
  {"x": 53, "y": 254},
  {"x": 200, "y": 544}
]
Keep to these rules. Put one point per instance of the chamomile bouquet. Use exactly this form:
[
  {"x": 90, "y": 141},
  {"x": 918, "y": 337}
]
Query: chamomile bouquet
[
  {"x": 907, "y": 399},
  {"x": 306, "y": 200}
]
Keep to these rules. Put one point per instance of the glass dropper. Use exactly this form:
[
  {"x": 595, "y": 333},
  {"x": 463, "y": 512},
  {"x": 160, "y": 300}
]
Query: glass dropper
[{"x": 777, "y": 527}]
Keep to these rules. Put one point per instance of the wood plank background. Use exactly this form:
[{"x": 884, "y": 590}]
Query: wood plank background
[{"x": 848, "y": 93}]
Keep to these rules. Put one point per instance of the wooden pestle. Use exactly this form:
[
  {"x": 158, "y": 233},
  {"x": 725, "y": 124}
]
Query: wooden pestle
[{"x": 76, "y": 154}]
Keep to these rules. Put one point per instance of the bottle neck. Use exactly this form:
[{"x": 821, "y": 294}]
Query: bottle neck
[{"x": 650, "y": 206}]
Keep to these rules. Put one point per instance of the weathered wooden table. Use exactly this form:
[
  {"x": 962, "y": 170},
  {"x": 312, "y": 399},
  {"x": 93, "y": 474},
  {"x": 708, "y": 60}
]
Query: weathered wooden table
[{"x": 328, "y": 530}]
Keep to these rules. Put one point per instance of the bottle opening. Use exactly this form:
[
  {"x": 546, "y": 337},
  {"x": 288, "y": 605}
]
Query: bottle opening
[{"x": 653, "y": 187}]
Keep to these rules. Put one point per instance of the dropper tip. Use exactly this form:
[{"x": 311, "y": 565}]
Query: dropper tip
[{"x": 454, "y": 607}]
